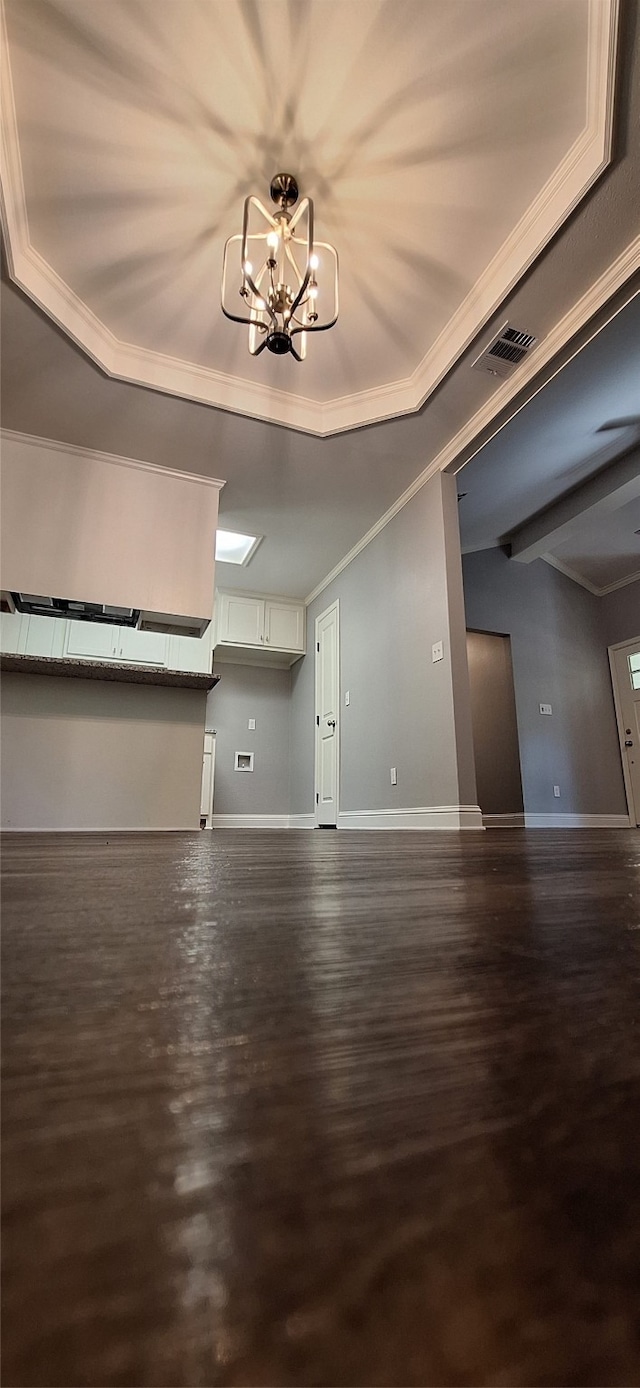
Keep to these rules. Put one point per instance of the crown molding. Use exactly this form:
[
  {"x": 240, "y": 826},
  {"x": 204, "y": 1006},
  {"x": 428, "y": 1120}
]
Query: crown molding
[
  {"x": 575, "y": 174},
  {"x": 586, "y": 582},
  {"x": 74, "y": 450}
]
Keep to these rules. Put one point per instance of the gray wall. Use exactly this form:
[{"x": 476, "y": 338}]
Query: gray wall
[
  {"x": 401, "y": 594},
  {"x": 244, "y": 692},
  {"x": 83, "y": 754},
  {"x": 559, "y": 654},
  {"x": 620, "y": 613}
]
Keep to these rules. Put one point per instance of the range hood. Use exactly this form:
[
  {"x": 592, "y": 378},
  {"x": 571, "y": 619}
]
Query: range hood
[
  {"x": 97, "y": 538},
  {"x": 39, "y": 606}
]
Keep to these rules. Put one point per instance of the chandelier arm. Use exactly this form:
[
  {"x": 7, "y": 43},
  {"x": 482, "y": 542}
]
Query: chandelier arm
[
  {"x": 264, "y": 340},
  {"x": 246, "y": 322},
  {"x": 306, "y": 202},
  {"x": 265, "y": 212},
  {"x": 245, "y": 253}
]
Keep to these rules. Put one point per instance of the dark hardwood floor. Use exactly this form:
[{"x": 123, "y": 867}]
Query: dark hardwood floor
[{"x": 319, "y": 1108}]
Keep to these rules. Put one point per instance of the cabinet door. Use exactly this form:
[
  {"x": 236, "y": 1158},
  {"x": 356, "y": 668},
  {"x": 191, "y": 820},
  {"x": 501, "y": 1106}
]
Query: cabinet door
[
  {"x": 241, "y": 620},
  {"x": 13, "y": 628},
  {"x": 190, "y": 653},
  {"x": 45, "y": 636},
  {"x": 92, "y": 640},
  {"x": 284, "y": 626},
  {"x": 142, "y": 647}
]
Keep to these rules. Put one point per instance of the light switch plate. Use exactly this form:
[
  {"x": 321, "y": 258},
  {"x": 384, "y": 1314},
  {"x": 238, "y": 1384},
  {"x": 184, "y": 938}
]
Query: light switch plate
[
  {"x": 394, "y": 775},
  {"x": 347, "y": 697},
  {"x": 437, "y": 651},
  {"x": 251, "y": 725},
  {"x": 546, "y": 708}
]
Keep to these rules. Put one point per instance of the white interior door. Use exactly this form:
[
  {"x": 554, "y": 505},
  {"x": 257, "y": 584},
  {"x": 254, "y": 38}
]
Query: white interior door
[
  {"x": 208, "y": 769},
  {"x": 626, "y": 677},
  {"x": 327, "y": 710}
]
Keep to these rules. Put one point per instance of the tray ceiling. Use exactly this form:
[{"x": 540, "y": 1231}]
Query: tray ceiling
[{"x": 443, "y": 144}]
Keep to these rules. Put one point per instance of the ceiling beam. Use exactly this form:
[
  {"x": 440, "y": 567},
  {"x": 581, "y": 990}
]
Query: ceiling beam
[{"x": 607, "y": 490}]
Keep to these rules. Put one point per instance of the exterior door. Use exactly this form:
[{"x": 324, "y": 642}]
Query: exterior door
[
  {"x": 327, "y": 709},
  {"x": 625, "y": 664}
]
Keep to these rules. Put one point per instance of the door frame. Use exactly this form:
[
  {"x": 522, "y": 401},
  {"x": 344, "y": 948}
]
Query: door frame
[
  {"x": 632, "y": 810},
  {"x": 333, "y": 607}
]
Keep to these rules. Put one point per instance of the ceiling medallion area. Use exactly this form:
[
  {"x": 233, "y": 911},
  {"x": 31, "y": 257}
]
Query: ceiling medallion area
[{"x": 280, "y": 268}]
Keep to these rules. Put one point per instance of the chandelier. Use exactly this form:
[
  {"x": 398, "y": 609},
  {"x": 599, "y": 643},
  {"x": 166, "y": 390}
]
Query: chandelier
[{"x": 287, "y": 281}]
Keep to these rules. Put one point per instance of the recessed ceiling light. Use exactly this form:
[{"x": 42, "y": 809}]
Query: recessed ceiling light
[{"x": 233, "y": 548}]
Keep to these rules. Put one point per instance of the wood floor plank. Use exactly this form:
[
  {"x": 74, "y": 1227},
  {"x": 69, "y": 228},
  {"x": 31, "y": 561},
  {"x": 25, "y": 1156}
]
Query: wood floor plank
[{"x": 321, "y": 1108}]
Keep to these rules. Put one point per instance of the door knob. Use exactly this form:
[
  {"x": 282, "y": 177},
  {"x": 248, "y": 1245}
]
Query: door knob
[
  {"x": 628, "y": 743},
  {"x": 331, "y": 722}
]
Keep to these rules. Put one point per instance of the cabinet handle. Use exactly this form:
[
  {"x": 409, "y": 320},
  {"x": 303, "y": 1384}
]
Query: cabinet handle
[
  {"x": 266, "y": 639},
  {"x": 262, "y": 638}
]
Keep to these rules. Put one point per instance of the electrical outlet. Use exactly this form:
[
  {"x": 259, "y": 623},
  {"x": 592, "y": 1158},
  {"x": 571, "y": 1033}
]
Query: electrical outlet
[
  {"x": 437, "y": 651},
  {"x": 347, "y": 697},
  {"x": 394, "y": 775},
  {"x": 546, "y": 708},
  {"x": 556, "y": 791},
  {"x": 251, "y": 725}
]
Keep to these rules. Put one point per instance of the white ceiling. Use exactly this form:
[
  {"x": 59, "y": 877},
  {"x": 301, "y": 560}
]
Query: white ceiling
[
  {"x": 443, "y": 144},
  {"x": 314, "y": 498}
]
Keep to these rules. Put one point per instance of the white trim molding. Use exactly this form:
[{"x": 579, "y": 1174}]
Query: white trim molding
[
  {"x": 586, "y": 582},
  {"x": 75, "y": 451},
  {"x": 503, "y": 821},
  {"x": 424, "y": 817},
  {"x": 575, "y": 174},
  {"x": 302, "y": 821},
  {"x": 250, "y": 821},
  {"x": 576, "y": 821}
]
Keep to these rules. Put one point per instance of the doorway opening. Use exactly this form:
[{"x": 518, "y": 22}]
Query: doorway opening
[
  {"x": 495, "y": 730},
  {"x": 625, "y": 676},
  {"x": 327, "y": 722}
]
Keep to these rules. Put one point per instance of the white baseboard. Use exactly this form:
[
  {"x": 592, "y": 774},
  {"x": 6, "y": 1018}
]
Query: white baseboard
[
  {"x": 100, "y": 829},
  {"x": 503, "y": 821},
  {"x": 424, "y": 817},
  {"x": 577, "y": 821},
  {"x": 250, "y": 821},
  {"x": 302, "y": 821}
]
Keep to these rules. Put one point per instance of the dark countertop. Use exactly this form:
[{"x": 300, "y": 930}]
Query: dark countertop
[{"x": 126, "y": 673}]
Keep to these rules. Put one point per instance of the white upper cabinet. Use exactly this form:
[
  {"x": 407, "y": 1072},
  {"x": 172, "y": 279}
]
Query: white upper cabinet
[
  {"x": 284, "y": 626},
  {"x": 241, "y": 620},
  {"x": 258, "y": 630}
]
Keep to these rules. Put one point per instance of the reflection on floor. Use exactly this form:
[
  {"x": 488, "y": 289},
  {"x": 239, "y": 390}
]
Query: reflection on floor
[{"x": 319, "y": 1108}]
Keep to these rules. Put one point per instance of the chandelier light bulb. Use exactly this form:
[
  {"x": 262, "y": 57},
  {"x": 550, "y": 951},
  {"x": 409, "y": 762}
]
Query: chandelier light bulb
[{"x": 279, "y": 296}]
